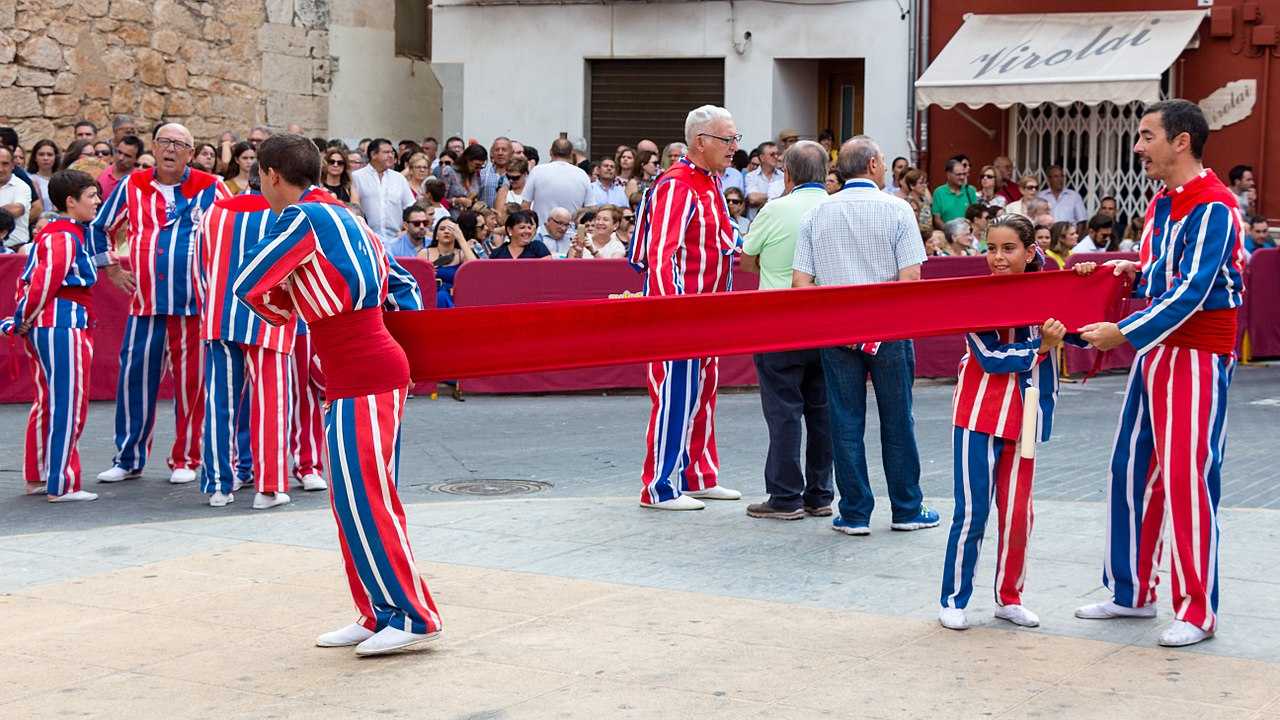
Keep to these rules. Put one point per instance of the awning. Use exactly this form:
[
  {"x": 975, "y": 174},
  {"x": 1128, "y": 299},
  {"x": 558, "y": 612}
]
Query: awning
[{"x": 1058, "y": 58}]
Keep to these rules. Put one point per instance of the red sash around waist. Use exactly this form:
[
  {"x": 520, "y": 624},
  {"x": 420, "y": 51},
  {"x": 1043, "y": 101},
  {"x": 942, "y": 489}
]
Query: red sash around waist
[
  {"x": 1208, "y": 330},
  {"x": 82, "y": 295},
  {"x": 358, "y": 355}
]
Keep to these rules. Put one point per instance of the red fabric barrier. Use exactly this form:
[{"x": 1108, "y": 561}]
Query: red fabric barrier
[
  {"x": 1082, "y": 360},
  {"x": 1262, "y": 303},
  {"x": 425, "y": 274}
]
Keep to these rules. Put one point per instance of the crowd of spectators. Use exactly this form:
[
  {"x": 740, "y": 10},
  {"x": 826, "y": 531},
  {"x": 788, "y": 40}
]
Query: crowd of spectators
[{"x": 458, "y": 201}]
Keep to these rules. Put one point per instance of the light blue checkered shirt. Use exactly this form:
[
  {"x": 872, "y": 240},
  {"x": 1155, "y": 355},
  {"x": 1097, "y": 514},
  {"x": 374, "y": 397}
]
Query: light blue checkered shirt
[{"x": 858, "y": 236}]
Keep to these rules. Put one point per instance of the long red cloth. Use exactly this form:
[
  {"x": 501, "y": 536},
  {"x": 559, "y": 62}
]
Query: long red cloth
[{"x": 470, "y": 342}]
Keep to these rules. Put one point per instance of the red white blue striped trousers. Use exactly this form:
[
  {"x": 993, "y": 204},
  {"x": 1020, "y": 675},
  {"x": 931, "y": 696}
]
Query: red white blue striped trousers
[
  {"x": 62, "y": 358},
  {"x": 681, "y": 437},
  {"x": 150, "y": 340},
  {"x": 306, "y": 440}
]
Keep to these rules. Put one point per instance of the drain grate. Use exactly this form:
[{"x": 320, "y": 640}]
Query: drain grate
[{"x": 490, "y": 487}]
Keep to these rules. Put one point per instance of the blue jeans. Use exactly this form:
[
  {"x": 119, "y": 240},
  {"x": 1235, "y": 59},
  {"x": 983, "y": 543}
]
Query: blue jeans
[{"x": 892, "y": 372}]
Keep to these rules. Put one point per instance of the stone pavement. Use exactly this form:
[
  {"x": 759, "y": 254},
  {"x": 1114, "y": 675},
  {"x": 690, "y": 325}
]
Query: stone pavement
[{"x": 574, "y": 603}]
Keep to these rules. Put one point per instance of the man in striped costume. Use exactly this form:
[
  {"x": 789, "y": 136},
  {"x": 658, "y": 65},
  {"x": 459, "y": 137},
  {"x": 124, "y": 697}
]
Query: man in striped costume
[
  {"x": 322, "y": 262},
  {"x": 247, "y": 363},
  {"x": 1167, "y": 458},
  {"x": 163, "y": 207},
  {"x": 684, "y": 243},
  {"x": 53, "y": 314}
]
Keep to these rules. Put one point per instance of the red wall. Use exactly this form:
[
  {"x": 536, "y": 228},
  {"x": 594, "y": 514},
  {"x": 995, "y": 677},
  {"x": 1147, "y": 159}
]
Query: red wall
[{"x": 1201, "y": 71}]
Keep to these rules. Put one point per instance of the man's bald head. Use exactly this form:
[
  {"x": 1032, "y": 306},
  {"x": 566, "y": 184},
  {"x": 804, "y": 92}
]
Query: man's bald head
[
  {"x": 860, "y": 157},
  {"x": 176, "y": 131},
  {"x": 558, "y": 221}
]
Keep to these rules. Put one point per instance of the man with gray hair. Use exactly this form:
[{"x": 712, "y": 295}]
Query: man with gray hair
[
  {"x": 122, "y": 127},
  {"x": 793, "y": 392},
  {"x": 684, "y": 243},
  {"x": 557, "y": 232},
  {"x": 862, "y": 236}
]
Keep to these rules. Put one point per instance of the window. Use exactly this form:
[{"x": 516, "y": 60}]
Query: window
[{"x": 413, "y": 29}]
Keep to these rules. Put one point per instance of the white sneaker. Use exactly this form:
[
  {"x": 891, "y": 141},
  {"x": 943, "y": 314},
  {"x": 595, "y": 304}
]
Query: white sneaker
[
  {"x": 353, "y": 634},
  {"x": 221, "y": 499},
  {"x": 77, "y": 496},
  {"x": 116, "y": 474},
  {"x": 390, "y": 639},
  {"x": 314, "y": 482},
  {"x": 953, "y": 618},
  {"x": 1018, "y": 615},
  {"x": 1181, "y": 633},
  {"x": 263, "y": 501},
  {"x": 36, "y": 489},
  {"x": 680, "y": 502},
  {"x": 236, "y": 485},
  {"x": 1110, "y": 610},
  {"x": 719, "y": 492},
  {"x": 182, "y": 476}
]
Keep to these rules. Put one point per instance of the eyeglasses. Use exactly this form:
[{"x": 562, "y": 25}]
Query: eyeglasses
[
  {"x": 102, "y": 153},
  {"x": 419, "y": 223},
  {"x": 1031, "y": 187},
  {"x": 628, "y": 218},
  {"x": 561, "y": 223},
  {"x": 988, "y": 177},
  {"x": 171, "y": 143},
  {"x": 734, "y": 201},
  {"x": 514, "y": 178},
  {"x": 726, "y": 139},
  {"x": 335, "y": 161}
]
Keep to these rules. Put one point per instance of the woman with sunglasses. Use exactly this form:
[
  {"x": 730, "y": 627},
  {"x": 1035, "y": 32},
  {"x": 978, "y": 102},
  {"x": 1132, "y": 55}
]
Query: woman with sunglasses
[
  {"x": 988, "y": 188},
  {"x": 737, "y": 202},
  {"x": 146, "y": 161},
  {"x": 448, "y": 250},
  {"x": 650, "y": 169},
  {"x": 102, "y": 150},
  {"x": 512, "y": 191},
  {"x": 336, "y": 178},
  {"x": 243, "y": 156}
]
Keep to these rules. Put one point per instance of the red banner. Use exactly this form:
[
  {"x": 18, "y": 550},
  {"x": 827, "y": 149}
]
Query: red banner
[{"x": 471, "y": 342}]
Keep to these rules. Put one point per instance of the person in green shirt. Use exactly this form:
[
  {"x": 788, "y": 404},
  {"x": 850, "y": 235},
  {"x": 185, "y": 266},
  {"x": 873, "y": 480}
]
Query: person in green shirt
[
  {"x": 793, "y": 391},
  {"x": 951, "y": 199}
]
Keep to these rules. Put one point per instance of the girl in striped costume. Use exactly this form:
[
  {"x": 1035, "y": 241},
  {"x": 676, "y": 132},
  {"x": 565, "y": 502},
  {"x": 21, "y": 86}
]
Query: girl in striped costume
[{"x": 994, "y": 376}]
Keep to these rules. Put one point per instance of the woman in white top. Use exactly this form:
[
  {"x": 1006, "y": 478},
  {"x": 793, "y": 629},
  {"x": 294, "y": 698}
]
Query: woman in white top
[
  {"x": 988, "y": 193},
  {"x": 44, "y": 161},
  {"x": 512, "y": 191},
  {"x": 602, "y": 241}
]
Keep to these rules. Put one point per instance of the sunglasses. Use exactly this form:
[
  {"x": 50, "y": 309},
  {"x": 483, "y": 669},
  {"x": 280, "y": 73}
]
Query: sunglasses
[
  {"x": 514, "y": 178},
  {"x": 628, "y": 218},
  {"x": 734, "y": 201},
  {"x": 988, "y": 177},
  {"x": 337, "y": 162},
  {"x": 102, "y": 153},
  {"x": 418, "y": 223},
  {"x": 1030, "y": 187}
]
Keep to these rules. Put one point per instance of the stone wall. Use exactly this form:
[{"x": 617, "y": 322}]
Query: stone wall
[{"x": 211, "y": 65}]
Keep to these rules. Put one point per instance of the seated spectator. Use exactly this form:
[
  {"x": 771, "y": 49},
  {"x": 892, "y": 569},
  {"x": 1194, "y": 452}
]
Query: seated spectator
[
  {"x": 448, "y": 250},
  {"x": 606, "y": 189},
  {"x": 1132, "y": 236},
  {"x": 416, "y": 235},
  {"x": 649, "y": 170},
  {"x": 765, "y": 182},
  {"x": 959, "y": 238},
  {"x": 1030, "y": 188},
  {"x": 736, "y": 175},
  {"x": 1099, "y": 237},
  {"x": 1259, "y": 237},
  {"x": 916, "y": 186},
  {"x": 979, "y": 217},
  {"x": 626, "y": 222},
  {"x": 1044, "y": 240},
  {"x": 556, "y": 234},
  {"x": 1009, "y": 189},
  {"x": 1062, "y": 241},
  {"x": 833, "y": 183},
  {"x": 737, "y": 202},
  {"x": 989, "y": 188},
  {"x": 935, "y": 242},
  {"x": 7, "y": 223},
  {"x": 336, "y": 178},
  {"x": 898, "y": 167},
  {"x": 602, "y": 240},
  {"x": 417, "y": 170},
  {"x": 486, "y": 237},
  {"x": 520, "y": 243},
  {"x": 952, "y": 197},
  {"x": 1064, "y": 203},
  {"x": 511, "y": 192}
]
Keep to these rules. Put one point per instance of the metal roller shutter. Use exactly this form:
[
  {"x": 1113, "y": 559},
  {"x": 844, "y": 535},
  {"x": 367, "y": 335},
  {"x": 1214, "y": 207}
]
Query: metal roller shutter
[{"x": 628, "y": 100}]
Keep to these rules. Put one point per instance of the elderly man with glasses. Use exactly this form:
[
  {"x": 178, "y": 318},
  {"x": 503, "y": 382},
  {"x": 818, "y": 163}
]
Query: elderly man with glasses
[
  {"x": 163, "y": 207},
  {"x": 684, "y": 243}
]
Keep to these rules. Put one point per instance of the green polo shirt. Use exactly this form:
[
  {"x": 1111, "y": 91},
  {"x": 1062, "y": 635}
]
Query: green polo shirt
[
  {"x": 773, "y": 234},
  {"x": 950, "y": 204}
]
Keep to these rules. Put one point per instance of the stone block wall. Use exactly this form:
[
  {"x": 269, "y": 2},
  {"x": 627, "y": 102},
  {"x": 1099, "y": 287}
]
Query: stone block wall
[{"x": 212, "y": 65}]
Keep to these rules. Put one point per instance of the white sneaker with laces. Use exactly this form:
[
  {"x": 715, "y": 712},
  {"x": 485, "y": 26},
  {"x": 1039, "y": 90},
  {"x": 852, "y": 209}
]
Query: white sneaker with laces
[
  {"x": 1018, "y": 615},
  {"x": 116, "y": 474},
  {"x": 314, "y": 482},
  {"x": 719, "y": 492},
  {"x": 221, "y": 499},
  {"x": 1109, "y": 610},
  {"x": 263, "y": 501},
  {"x": 390, "y": 639},
  {"x": 680, "y": 502},
  {"x": 1181, "y": 633},
  {"x": 953, "y": 618},
  {"x": 77, "y": 496},
  {"x": 182, "y": 476},
  {"x": 353, "y": 634},
  {"x": 36, "y": 489}
]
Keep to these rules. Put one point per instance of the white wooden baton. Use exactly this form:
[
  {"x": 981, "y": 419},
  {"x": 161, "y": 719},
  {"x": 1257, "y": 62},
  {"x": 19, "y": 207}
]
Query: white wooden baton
[{"x": 1030, "y": 416}]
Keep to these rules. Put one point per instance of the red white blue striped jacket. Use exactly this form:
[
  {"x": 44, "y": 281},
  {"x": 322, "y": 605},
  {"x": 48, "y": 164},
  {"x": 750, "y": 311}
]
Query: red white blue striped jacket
[
  {"x": 1191, "y": 258},
  {"x": 228, "y": 230},
  {"x": 162, "y": 243},
  {"x": 998, "y": 367},
  {"x": 684, "y": 238},
  {"x": 319, "y": 260},
  {"x": 59, "y": 258}
]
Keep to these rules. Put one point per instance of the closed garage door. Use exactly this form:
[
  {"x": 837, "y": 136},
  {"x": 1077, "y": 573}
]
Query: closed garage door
[{"x": 633, "y": 99}]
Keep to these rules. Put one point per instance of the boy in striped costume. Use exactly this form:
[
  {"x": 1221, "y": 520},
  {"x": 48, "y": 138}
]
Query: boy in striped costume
[
  {"x": 1166, "y": 464},
  {"x": 163, "y": 205},
  {"x": 53, "y": 315},
  {"x": 322, "y": 262}
]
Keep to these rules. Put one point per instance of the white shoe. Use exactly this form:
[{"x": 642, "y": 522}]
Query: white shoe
[
  {"x": 182, "y": 476},
  {"x": 77, "y": 496},
  {"x": 314, "y": 482},
  {"x": 390, "y": 639},
  {"x": 953, "y": 618},
  {"x": 353, "y": 634},
  {"x": 1181, "y": 633},
  {"x": 1018, "y": 615},
  {"x": 36, "y": 489},
  {"x": 116, "y": 474},
  {"x": 679, "y": 502},
  {"x": 221, "y": 499},
  {"x": 236, "y": 485},
  {"x": 1109, "y": 610},
  {"x": 719, "y": 492},
  {"x": 263, "y": 501}
]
